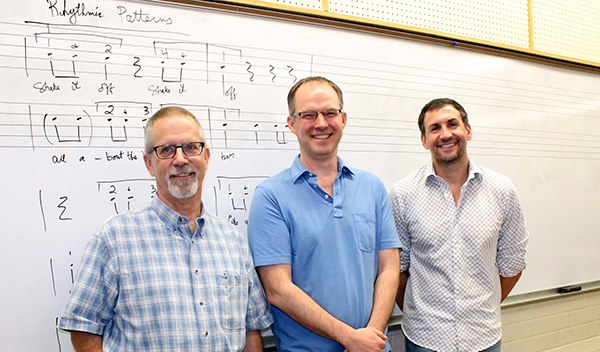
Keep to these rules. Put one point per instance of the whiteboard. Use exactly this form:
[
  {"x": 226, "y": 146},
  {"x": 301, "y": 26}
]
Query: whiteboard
[{"x": 80, "y": 79}]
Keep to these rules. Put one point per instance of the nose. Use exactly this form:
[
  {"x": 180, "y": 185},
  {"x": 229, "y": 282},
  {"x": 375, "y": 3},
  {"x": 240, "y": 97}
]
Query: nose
[
  {"x": 320, "y": 121},
  {"x": 180, "y": 158},
  {"x": 445, "y": 133}
]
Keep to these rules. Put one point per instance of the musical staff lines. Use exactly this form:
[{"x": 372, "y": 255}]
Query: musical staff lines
[{"x": 62, "y": 60}]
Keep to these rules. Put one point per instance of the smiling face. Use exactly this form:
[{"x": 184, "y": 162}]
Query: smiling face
[
  {"x": 446, "y": 136},
  {"x": 179, "y": 179},
  {"x": 319, "y": 138}
]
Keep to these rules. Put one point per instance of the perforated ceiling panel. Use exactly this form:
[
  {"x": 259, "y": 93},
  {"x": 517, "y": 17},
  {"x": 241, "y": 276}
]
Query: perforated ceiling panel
[
  {"x": 502, "y": 21},
  {"x": 567, "y": 27},
  {"x": 310, "y": 4}
]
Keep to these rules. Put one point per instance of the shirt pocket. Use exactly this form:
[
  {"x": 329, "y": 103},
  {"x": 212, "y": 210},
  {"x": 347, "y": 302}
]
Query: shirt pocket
[
  {"x": 233, "y": 297},
  {"x": 364, "y": 224}
]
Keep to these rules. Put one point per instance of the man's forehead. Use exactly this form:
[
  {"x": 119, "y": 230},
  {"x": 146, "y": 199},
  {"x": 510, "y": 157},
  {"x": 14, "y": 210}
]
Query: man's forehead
[
  {"x": 448, "y": 109},
  {"x": 166, "y": 126},
  {"x": 313, "y": 86}
]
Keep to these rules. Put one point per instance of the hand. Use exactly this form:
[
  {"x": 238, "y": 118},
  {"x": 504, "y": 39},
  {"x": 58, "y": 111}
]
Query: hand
[{"x": 366, "y": 339}]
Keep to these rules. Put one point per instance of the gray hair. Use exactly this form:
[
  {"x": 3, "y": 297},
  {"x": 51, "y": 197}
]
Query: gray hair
[{"x": 164, "y": 113}]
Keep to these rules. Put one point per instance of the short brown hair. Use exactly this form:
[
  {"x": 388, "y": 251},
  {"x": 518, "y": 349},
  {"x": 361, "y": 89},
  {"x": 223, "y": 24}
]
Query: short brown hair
[
  {"x": 291, "y": 98},
  {"x": 437, "y": 104}
]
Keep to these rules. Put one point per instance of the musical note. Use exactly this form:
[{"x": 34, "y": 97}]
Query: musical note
[
  {"x": 233, "y": 195},
  {"x": 128, "y": 194}
]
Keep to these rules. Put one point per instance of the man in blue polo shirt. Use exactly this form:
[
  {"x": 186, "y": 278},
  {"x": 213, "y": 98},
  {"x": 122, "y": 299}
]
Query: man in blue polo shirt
[{"x": 323, "y": 237}]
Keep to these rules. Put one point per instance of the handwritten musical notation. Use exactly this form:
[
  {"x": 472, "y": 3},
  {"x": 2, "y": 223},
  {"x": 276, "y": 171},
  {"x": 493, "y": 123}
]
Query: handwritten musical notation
[
  {"x": 63, "y": 62},
  {"x": 128, "y": 194},
  {"x": 232, "y": 196}
]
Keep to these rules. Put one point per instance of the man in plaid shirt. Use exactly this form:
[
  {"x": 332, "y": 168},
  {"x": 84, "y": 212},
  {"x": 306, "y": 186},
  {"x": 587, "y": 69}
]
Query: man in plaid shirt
[{"x": 170, "y": 276}]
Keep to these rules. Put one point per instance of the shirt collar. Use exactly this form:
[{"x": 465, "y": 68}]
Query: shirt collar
[
  {"x": 170, "y": 216},
  {"x": 298, "y": 168},
  {"x": 474, "y": 171}
]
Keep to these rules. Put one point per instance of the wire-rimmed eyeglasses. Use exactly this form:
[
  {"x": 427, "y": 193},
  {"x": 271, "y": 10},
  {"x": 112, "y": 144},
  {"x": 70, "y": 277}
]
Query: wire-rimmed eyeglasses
[{"x": 312, "y": 115}]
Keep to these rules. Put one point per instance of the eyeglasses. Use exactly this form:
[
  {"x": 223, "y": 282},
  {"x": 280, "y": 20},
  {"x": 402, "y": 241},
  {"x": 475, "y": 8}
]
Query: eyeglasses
[
  {"x": 167, "y": 151},
  {"x": 312, "y": 115}
]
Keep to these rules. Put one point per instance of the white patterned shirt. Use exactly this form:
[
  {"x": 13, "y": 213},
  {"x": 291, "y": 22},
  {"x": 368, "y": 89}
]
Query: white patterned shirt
[
  {"x": 454, "y": 254},
  {"x": 147, "y": 283}
]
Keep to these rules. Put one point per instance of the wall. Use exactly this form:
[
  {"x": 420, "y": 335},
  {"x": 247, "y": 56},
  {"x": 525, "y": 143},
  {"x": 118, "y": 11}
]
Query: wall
[{"x": 563, "y": 324}]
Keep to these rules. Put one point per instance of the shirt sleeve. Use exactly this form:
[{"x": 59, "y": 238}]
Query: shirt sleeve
[
  {"x": 94, "y": 294},
  {"x": 258, "y": 315},
  {"x": 401, "y": 226},
  {"x": 513, "y": 237},
  {"x": 268, "y": 233},
  {"x": 388, "y": 235}
]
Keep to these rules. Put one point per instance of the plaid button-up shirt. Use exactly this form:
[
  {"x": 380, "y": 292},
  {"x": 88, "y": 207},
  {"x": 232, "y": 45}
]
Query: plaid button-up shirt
[{"x": 146, "y": 283}]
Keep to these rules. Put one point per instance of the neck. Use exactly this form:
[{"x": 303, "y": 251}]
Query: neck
[
  {"x": 191, "y": 207},
  {"x": 320, "y": 167},
  {"x": 326, "y": 171},
  {"x": 454, "y": 173}
]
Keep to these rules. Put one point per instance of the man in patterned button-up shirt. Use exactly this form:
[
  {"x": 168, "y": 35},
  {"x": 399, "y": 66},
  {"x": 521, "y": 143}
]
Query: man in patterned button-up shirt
[
  {"x": 464, "y": 240},
  {"x": 170, "y": 276}
]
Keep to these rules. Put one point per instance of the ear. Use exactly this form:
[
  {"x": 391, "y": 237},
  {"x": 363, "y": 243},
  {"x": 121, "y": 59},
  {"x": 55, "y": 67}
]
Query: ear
[
  {"x": 291, "y": 125},
  {"x": 469, "y": 132},
  {"x": 344, "y": 119},
  {"x": 207, "y": 152},
  {"x": 424, "y": 142},
  {"x": 148, "y": 163}
]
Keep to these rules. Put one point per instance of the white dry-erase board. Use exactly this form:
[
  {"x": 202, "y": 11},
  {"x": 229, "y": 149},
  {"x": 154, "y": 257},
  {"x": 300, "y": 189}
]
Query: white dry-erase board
[{"x": 79, "y": 79}]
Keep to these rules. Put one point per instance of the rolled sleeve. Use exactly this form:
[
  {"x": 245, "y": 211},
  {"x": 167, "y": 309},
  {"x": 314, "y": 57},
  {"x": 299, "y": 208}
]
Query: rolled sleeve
[
  {"x": 401, "y": 227},
  {"x": 513, "y": 237},
  {"x": 258, "y": 314}
]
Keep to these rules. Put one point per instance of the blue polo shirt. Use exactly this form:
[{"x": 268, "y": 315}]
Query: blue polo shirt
[{"x": 332, "y": 244}]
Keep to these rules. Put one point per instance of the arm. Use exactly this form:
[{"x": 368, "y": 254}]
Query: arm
[
  {"x": 253, "y": 342},
  {"x": 401, "y": 289},
  {"x": 289, "y": 298},
  {"x": 507, "y": 284},
  {"x": 512, "y": 243},
  {"x": 405, "y": 238},
  {"x": 86, "y": 342},
  {"x": 386, "y": 286}
]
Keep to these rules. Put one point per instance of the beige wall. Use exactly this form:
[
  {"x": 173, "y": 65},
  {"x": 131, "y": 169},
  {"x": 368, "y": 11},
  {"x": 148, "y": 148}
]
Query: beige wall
[{"x": 564, "y": 324}]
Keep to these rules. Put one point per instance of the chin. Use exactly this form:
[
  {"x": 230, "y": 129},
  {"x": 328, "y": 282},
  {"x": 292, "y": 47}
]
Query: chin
[{"x": 180, "y": 192}]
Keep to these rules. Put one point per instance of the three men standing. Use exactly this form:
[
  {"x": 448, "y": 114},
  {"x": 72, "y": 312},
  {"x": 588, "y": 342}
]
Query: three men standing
[{"x": 173, "y": 277}]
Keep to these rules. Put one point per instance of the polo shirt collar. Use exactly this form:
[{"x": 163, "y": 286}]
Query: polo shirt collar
[{"x": 298, "y": 169}]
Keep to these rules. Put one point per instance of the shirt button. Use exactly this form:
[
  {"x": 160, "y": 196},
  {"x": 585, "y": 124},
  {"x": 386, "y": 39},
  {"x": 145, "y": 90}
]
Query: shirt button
[
  {"x": 206, "y": 333},
  {"x": 197, "y": 271},
  {"x": 180, "y": 219},
  {"x": 314, "y": 186},
  {"x": 326, "y": 196},
  {"x": 201, "y": 303}
]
